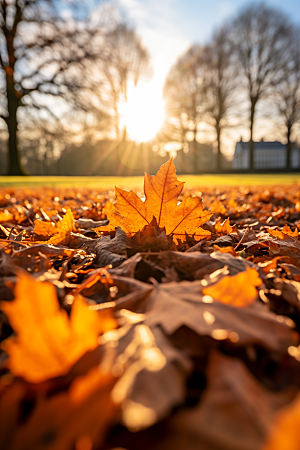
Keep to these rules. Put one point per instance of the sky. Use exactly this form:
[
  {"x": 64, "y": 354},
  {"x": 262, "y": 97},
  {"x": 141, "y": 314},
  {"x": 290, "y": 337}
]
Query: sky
[{"x": 168, "y": 27}]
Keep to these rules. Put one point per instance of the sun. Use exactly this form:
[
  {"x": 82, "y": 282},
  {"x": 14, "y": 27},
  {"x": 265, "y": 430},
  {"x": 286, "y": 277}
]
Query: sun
[{"x": 143, "y": 113}]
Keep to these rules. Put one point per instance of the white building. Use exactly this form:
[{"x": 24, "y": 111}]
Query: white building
[{"x": 267, "y": 155}]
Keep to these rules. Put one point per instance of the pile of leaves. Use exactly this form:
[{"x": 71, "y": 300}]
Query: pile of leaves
[{"x": 151, "y": 322}]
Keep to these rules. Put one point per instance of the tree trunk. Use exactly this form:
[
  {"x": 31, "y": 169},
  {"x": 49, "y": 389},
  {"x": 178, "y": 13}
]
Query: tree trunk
[
  {"x": 195, "y": 158},
  {"x": 14, "y": 165},
  {"x": 184, "y": 162},
  {"x": 219, "y": 154},
  {"x": 14, "y": 162},
  {"x": 251, "y": 143},
  {"x": 289, "y": 147}
]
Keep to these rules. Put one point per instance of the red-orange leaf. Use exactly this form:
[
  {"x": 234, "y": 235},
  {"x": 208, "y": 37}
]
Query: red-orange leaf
[
  {"x": 161, "y": 192},
  {"x": 226, "y": 250},
  {"x": 285, "y": 432},
  {"x": 238, "y": 290},
  {"x": 5, "y": 216},
  {"x": 223, "y": 228}
]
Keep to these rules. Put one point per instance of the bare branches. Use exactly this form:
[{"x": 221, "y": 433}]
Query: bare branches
[
  {"x": 59, "y": 64},
  {"x": 261, "y": 37}
]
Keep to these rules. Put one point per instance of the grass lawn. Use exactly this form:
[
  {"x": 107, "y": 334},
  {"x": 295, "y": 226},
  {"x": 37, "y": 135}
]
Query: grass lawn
[{"x": 137, "y": 182}]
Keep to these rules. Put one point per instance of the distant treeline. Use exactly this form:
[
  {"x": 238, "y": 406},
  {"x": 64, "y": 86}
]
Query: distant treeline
[
  {"x": 247, "y": 75},
  {"x": 103, "y": 158},
  {"x": 64, "y": 108}
]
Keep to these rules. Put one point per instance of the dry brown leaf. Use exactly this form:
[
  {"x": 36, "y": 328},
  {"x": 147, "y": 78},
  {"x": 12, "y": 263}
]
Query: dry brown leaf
[
  {"x": 161, "y": 192},
  {"x": 238, "y": 290},
  {"x": 76, "y": 419},
  {"x": 48, "y": 343},
  {"x": 234, "y": 413},
  {"x": 175, "y": 305}
]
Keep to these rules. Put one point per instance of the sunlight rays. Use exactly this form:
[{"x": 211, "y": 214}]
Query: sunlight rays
[{"x": 143, "y": 113}]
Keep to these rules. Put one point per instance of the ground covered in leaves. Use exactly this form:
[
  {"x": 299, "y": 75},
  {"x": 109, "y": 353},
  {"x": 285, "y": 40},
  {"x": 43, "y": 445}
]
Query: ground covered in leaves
[{"x": 153, "y": 320}]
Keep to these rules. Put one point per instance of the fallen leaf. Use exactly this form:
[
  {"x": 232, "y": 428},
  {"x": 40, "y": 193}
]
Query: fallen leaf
[
  {"x": 64, "y": 421},
  {"x": 234, "y": 413},
  {"x": 226, "y": 250},
  {"x": 175, "y": 305},
  {"x": 286, "y": 230},
  {"x": 5, "y": 216},
  {"x": 285, "y": 430},
  {"x": 60, "y": 232},
  {"x": 238, "y": 290},
  {"x": 292, "y": 270},
  {"x": 161, "y": 193},
  {"x": 223, "y": 228},
  {"x": 43, "y": 228},
  {"x": 48, "y": 343},
  {"x": 145, "y": 357},
  {"x": 112, "y": 251},
  {"x": 153, "y": 238}
]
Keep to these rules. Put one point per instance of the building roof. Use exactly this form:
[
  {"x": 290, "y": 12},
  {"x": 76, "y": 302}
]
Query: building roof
[{"x": 263, "y": 145}]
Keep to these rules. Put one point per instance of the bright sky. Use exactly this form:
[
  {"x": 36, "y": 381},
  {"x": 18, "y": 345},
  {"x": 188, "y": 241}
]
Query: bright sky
[{"x": 169, "y": 27}]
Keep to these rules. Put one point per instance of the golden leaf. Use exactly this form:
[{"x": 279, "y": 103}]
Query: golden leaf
[
  {"x": 48, "y": 342},
  {"x": 161, "y": 192},
  {"x": 218, "y": 207},
  {"x": 5, "y": 216},
  {"x": 228, "y": 249},
  {"x": 60, "y": 231},
  {"x": 43, "y": 228},
  {"x": 223, "y": 228},
  {"x": 238, "y": 290}
]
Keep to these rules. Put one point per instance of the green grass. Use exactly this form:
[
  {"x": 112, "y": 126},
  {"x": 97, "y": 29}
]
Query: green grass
[{"x": 137, "y": 181}]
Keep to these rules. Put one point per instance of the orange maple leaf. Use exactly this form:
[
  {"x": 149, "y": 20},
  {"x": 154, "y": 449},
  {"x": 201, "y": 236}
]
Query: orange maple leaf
[
  {"x": 48, "y": 342},
  {"x": 238, "y": 290},
  {"x": 60, "y": 231},
  {"x": 286, "y": 230},
  {"x": 223, "y": 228},
  {"x": 161, "y": 193},
  {"x": 284, "y": 233}
]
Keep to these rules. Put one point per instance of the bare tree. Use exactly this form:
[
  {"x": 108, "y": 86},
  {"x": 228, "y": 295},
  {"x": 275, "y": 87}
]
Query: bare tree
[
  {"x": 50, "y": 64},
  {"x": 40, "y": 57},
  {"x": 183, "y": 91},
  {"x": 220, "y": 84},
  {"x": 261, "y": 36},
  {"x": 287, "y": 93},
  {"x": 123, "y": 60}
]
